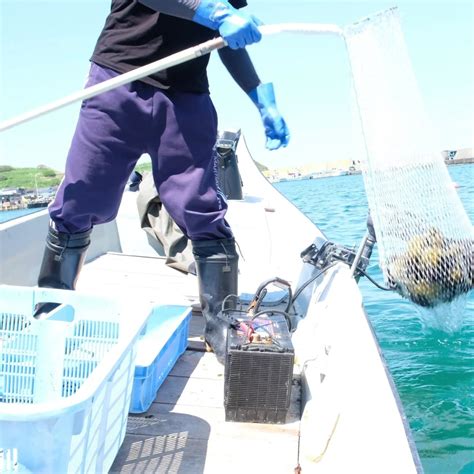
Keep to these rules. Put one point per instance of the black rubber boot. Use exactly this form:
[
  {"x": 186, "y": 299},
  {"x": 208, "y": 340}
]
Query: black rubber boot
[
  {"x": 63, "y": 258},
  {"x": 217, "y": 272}
]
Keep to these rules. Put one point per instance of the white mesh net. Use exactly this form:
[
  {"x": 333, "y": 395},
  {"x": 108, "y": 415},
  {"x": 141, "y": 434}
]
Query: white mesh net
[{"x": 425, "y": 238}]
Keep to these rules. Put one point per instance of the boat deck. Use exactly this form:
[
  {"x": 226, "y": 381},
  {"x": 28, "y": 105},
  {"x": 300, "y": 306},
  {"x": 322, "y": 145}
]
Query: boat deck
[{"x": 185, "y": 431}]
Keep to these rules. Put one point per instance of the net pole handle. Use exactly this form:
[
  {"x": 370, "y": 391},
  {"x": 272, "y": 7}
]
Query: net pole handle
[
  {"x": 83, "y": 94},
  {"x": 164, "y": 63}
]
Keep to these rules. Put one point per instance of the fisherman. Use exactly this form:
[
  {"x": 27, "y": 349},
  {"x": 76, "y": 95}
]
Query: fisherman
[{"x": 170, "y": 116}]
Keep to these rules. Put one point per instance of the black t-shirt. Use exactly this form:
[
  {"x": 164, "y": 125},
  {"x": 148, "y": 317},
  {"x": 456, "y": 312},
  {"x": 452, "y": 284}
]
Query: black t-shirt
[{"x": 135, "y": 35}]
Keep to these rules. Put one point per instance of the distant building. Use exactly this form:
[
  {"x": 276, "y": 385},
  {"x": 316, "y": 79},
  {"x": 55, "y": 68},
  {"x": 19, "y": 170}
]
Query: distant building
[
  {"x": 461, "y": 154},
  {"x": 10, "y": 198}
]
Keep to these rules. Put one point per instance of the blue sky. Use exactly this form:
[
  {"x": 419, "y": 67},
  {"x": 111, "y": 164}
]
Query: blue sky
[{"x": 45, "y": 47}]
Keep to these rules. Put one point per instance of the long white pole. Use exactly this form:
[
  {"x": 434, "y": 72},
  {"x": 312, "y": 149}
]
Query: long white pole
[{"x": 165, "y": 63}]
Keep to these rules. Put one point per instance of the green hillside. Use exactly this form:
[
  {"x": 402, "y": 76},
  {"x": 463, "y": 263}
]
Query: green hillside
[
  {"x": 14, "y": 178},
  {"x": 145, "y": 167},
  {"x": 11, "y": 177},
  {"x": 260, "y": 166}
]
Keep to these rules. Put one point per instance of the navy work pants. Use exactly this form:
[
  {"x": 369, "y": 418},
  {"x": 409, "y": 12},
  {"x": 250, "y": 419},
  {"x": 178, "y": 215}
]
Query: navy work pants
[{"x": 178, "y": 130}]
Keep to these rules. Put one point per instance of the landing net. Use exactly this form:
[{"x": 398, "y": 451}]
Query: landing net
[{"x": 425, "y": 238}]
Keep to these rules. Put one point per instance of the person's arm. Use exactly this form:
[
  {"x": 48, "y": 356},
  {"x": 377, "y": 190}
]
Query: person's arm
[
  {"x": 236, "y": 27},
  {"x": 242, "y": 70},
  {"x": 240, "y": 67}
]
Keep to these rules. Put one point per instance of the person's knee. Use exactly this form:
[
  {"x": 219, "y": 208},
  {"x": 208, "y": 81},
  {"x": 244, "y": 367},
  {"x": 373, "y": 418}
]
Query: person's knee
[{"x": 207, "y": 227}]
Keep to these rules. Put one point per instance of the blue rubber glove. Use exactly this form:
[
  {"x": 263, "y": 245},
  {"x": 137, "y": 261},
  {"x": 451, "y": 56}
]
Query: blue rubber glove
[
  {"x": 237, "y": 28},
  {"x": 276, "y": 131}
]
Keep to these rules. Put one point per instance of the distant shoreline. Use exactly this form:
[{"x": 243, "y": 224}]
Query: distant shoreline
[
  {"x": 277, "y": 177},
  {"x": 9, "y": 215},
  {"x": 460, "y": 161}
]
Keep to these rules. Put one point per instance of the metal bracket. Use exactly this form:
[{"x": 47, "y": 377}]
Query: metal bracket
[{"x": 330, "y": 253}]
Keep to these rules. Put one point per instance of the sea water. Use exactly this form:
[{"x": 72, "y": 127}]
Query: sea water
[
  {"x": 433, "y": 370},
  {"x": 6, "y": 216}
]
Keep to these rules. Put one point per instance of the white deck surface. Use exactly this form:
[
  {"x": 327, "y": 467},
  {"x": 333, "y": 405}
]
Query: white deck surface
[{"x": 185, "y": 431}]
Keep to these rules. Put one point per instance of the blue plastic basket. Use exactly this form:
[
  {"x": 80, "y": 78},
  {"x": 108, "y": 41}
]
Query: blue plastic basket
[
  {"x": 163, "y": 340},
  {"x": 65, "y": 383}
]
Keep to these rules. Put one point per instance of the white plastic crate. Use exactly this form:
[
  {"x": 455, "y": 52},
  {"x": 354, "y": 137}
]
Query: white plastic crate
[{"x": 65, "y": 383}]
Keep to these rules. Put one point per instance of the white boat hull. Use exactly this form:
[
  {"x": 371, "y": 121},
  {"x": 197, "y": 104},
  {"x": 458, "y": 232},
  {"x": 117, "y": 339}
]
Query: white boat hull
[{"x": 351, "y": 417}]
